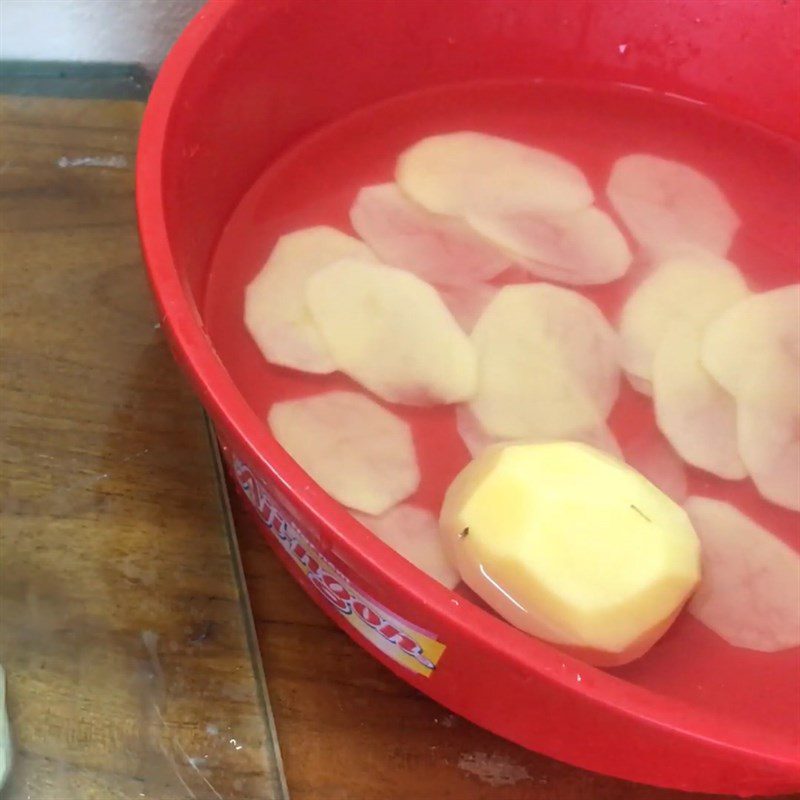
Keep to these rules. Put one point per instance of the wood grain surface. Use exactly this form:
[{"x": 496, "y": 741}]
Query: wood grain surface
[{"x": 121, "y": 623}]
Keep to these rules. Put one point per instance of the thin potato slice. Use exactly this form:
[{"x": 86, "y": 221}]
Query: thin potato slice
[
  {"x": 391, "y": 332},
  {"x": 750, "y": 591},
  {"x": 769, "y": 432},
  {"x": 357, "y": 451},
  {"x": 466, "y": 173},
  {"x": 439, "y": 249},
  {"x": 760, "y": 328},
  {"x": 467, "y": 303},
  {"x": 693, "y": 288},
  {"x": 581, "y": 247},
  {"x": 547, "y": 362},
  {"x": 275, "y": 311},
  {"x": 414, "y": 533},
  {"x": 668, "y": 205},
  {"x": 693, "y": 411},
  {"x": 652, "y": 457}
]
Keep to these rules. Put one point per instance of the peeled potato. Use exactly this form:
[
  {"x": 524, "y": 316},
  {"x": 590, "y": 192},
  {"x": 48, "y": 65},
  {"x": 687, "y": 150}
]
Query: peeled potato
[
  {"x": 467, "y": 173},
  {"x": 547, "y": 364},
  {"x": 477, "y": 440},
  {"x": 580, "y": 247},
  {"x": 691, "y": 288},
  {"x": 571, "y": 545},
  {"x": 668, "y": 205},
  {"x": 693, "y": 411},
  {"x": 769, "y": 431},
  {"x": 760, "y": 328},
  {"x": 275, "y": 311},
  {"x": 414, "y": 533},
  {"x": 357, "y": 451},
  {"x": 391, "y": 332},
  {"x": 467, "y": 303},
  {"x": 750, "y": 592},
  {"x": 439, "y": 249}
]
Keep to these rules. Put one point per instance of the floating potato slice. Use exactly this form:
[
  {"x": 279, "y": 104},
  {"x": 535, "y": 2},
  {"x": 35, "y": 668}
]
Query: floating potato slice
[
  {"x": 438, "y": 249},
  {"x": 653, "y": 457},
  {"x": 477, "y": 440},
  {"x": 275, "y": 311},
  {"x": 466, "y": 173},
  {"x": 760, "y": 328},
  {"x": 391, "y": 332},
  {"x": 357, "y": 451},
  {"x": 693, "y": 411},
  {"x": 414, "y": 533},
  {"x": 467, "y": 303},
  {"x": 547, "y": 364},
  {"x": 750, "y": 591},
  {"x": 572, "y": 546},
  {"x": 769, "y": 431},
  {"x": 667, "y": 205},
  {"x": 641, "y": 385},
  {"x": 693, "y": 288},
  {"x": 581, "y": 247}
]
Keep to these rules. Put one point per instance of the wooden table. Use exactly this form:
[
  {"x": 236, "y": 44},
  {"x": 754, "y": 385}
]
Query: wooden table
[{"x": 122, "y": 627}]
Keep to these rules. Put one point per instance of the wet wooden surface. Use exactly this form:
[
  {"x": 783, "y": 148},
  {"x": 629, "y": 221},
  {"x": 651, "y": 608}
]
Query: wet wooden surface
[{"x": 121, "y": 622}]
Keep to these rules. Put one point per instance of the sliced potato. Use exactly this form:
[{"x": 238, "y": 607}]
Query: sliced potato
[
  {"x": 668, "y": 205},
  {"x": 414, "y": 533},
  {"x": 357, "y": 451},
  {"x": 769, "y": 431},
  {"x": 760, "y": 328},
  {"x": 439, "y": 249},
  {"x": 467, "y": 303},
  {"x": 391, "y": 332},
  {"x": 693, "y": 411},
  {"x": 580, "y": 247},
  {"x": 653, "y": 457},
  {"x": 466, "y": 173},
  {"x": 750, "y": 591},
  {"x": 547, "y": 363},
  {"x": 275, "y": 311},
  {"x": 693, "y": 288}
]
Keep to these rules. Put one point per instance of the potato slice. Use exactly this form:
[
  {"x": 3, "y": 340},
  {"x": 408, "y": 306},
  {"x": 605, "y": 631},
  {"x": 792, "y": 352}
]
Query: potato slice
[
  {"x": 653, "y": 458},
  {"x": 693, "y": 288},
  {"x": 414, "y": 533},
  {"x": 693, "y": 411},
  {"x": 750, "y": 591},
  {"x": 357, "y": 451},
  {"x": 467, "y": 303},
  {"x": 572, "y": 546},
  {"x": 467, "y": 173},
  {"x": 477, "y": 440},
  {"x": 547, "y": 362},
  {"x": 391, "y": 332},
  {"x": 760, "y": 328},
  {"x": 580, "y": 247},
  {"x": 667, "y": 205},
  {"x": 275, "y": 311},
  {"x": 438, "y": 249},
  {"x": 769, "y": 431}
]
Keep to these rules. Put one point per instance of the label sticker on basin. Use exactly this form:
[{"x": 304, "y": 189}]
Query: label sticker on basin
[{"x": 403, "y": 642}]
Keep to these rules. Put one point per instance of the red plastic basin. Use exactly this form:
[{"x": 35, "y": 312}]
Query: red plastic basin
[{"x": 247, "y": 79}]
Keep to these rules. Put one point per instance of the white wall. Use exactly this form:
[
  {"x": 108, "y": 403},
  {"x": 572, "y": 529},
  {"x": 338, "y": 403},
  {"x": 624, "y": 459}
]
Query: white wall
[{"x": 92, "y": 30}]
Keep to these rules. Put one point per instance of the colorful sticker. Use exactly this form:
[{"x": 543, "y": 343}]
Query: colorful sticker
[{"x": 403, "y": 642}]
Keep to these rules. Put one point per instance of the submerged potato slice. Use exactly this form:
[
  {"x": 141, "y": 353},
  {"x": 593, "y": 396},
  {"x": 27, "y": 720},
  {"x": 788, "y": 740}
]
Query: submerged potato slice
[
  {"x": 760, "y": 328},
  {"x": 693, "y": 411},
  {"x": 391, "y": 332},
  {"x": 466, "y": 173},
  {"x": 275, "y": 311},
  {"x": 572, "y": 546},
  {"x": 667, "y": 205},
  {"x": 414, "y": 533},
  {"x": 547, "y": 364},
  {"x": 581, "y": 247},
  {"x": 750, "y": 591},
  {"x": 439, "y": 249},
  {"x": 691, "y": 288},
  {"x": 357, "y": 451},
  {"x": 467, "y": 303},
  {"x": 769, "y": 431},
  {"x": 653, "y": 457}
]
